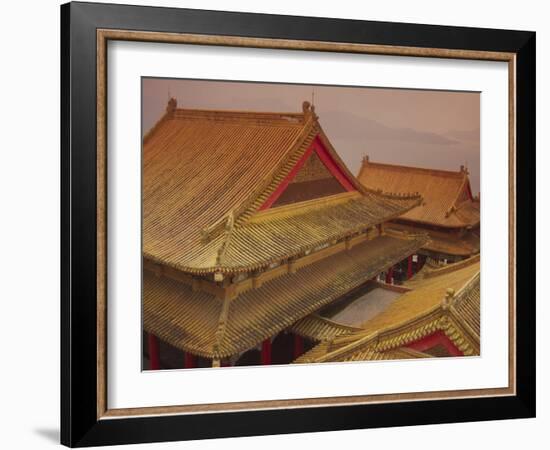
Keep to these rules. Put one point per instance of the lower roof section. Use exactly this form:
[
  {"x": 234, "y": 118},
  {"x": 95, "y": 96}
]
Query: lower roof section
[
  {"x": 445, "y": 300},
  {"x": 446, "y": 243},
  {"x": 204, "y": 325},
  {"x": 276, "y": 234},
  {"x": 318, "y": 328}
]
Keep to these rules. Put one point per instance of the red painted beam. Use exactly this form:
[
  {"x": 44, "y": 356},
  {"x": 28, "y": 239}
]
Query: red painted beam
[
  {"x": 298, "y": 346},
  {"x": 154, "y": 352},
  {"x": 283, "y": 185},
  {"x": 327, "y": 160},
  {"x": 189, "y": 361},
  {"x": 331, "y": 165},
  {"x": 266, "y": 352},
  {"x": 437, "y": 338}
]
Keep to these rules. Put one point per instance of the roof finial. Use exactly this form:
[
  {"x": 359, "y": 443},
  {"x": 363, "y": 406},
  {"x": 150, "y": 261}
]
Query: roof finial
[
  {"x": 449, "y": 296},
  {"x": 309, "y": 110},
  {"x": 172, "y": 105},
  {"x": 365, "y": 158}
]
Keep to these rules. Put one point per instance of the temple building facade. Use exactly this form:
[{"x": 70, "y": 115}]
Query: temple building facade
[
  {"x": 251, "y": 223},
  {"x": 449, "y": 212}
]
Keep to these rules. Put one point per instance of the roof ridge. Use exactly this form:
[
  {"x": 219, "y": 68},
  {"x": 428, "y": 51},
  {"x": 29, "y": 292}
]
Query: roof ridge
[
  {"x": 370, "y": 337},
  {"x": 168, "y": 113},
  {"x": 395, "y": 195},
  {"x": 298, "y": 148},
  {"x": 229, "y": 226},
  {"x": 463, "y": 185},
  {"x": 316, "y": 316},
  {"x": 221, "y": 328},
  {"x": 459, "y": 295},
  {"x": 453, "y": 267},
  {"x": 440, "y": 172},
  {"x": 305, "y": 206},
  {"x": 221, "y": 114}
]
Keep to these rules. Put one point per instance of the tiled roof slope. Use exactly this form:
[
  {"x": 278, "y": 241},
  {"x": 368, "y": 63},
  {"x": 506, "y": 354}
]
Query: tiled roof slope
[
  {"x": 207, "y": 173},
  {"x": 464, "y": 245},
  {"x": 318, "y": 328},
  {"x": 447, "y": 199},
  {"x": 424, "y": 310},
  {"x": 205, "y": 325}
]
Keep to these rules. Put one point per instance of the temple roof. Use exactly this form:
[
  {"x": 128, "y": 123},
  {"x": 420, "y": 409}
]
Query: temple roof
[
  {"x": 202, "y": 324},
  {"x": 207, "y": 175},
  {"x": 446, "y": 299},
  {"x": 464, "y": 245},
  {"x": 318, "y": 328},
  {"x": 447, "y": 197}
]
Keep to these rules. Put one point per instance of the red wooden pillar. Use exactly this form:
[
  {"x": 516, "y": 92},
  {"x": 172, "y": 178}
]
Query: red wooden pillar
[
  {"x": 298, "y": 346},
  {"x": 266, "y": 352},
  {"x": 409, "y": 266},
  {"x": 189, "y": 360},
  {"x": 389, "y": 275},
  {"x": 154, "y": 354}
]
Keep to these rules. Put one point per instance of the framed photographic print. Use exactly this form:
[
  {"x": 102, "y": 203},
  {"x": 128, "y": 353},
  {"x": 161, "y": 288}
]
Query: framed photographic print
[{"x": 276, "y": 224}]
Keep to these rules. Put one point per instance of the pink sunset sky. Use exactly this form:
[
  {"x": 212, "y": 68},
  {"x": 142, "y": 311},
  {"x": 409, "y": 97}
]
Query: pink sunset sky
[{"x": 432, "y": 129}]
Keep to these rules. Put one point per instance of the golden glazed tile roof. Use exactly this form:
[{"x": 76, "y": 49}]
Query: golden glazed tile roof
[
  {"x": 429, "y": 307},
  {"x": 205, "y": 325},
  {"x": 319, "y": 328},
  {"x": 370, "y": 354},
  {"x": 279, "y": 235},
  {"x": 433, "y": 269},
  {"x": 466, "y": 308},
  {"x": 445, "y": 243},
  {"x": 447, "y": 195},
  {"x": 465, "y": 246},
  {"x": 207, "y": 173}
]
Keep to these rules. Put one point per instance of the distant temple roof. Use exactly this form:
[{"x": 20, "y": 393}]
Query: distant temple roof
[
  {"x": 443, "y": 300},
  {"x": 214, "y": 186},
  {"x": 447, "y": 196},
  {"x": 201, "y": 323}
]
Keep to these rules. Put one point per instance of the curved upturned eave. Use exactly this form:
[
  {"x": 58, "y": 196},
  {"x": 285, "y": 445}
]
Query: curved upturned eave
[{"x": 282, "y": 255}]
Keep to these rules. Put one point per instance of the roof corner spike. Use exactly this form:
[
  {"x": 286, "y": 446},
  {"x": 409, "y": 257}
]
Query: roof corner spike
[
  {"x": 365, "y": 158},
  {"x": 449, "y": 297},
  {"x": 172, "y": 105},
  {"x": 309, "y": 111}
]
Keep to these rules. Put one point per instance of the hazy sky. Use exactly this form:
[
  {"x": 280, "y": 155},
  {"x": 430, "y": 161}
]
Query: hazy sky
[{"x": 431, "y": 129}]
